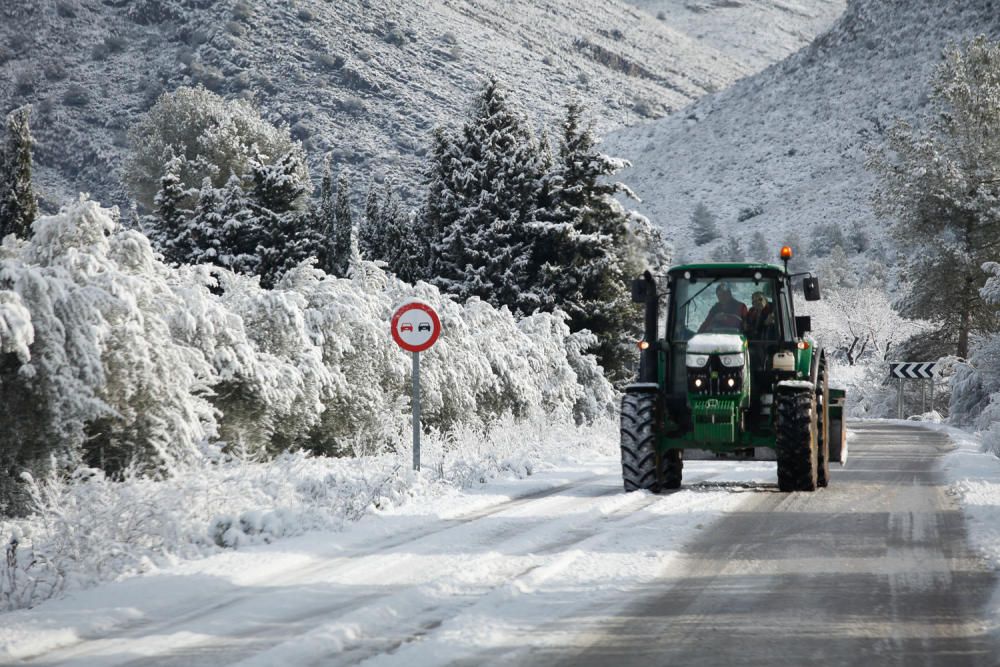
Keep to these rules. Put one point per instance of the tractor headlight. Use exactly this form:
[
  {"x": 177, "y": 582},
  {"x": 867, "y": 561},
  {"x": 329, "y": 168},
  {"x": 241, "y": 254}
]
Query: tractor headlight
[
  {"x": 731, "y": 360},
  {"x": 695, "y": 360}
]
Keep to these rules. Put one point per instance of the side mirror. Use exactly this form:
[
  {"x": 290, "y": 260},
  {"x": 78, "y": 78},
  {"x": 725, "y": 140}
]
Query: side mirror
[
  {"x": 810, "y": 286},
  {"x": 640, "y": 290},
  {"x": 803, "y": 324}
]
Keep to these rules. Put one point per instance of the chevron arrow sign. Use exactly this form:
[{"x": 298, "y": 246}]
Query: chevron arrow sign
[{"x": 921, "y": 370}]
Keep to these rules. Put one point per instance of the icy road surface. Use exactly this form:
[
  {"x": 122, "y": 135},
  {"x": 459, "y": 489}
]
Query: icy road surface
[{"x": 564, "y": 568}]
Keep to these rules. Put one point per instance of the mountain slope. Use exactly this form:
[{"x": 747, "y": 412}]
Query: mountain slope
[
  {"x": 789, "y": 142},
  {"x": 756, "y": 33},
  {"x": 364, "y": 80}
]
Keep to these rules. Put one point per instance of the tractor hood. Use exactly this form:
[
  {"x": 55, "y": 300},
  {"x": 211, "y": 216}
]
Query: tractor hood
[{"x": 706, "y": 343}]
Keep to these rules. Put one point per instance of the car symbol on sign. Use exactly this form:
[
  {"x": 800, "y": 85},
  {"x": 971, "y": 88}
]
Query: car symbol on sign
[
  {"x": 406, "y": 327},
  {"x": 424, "y": 326}
]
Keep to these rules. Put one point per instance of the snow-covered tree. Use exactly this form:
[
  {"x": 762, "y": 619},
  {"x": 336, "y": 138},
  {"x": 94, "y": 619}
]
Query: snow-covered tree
[
  {"x": 835, "y": 270},
  {"x": 484, "y": 249},
  {"x": 860, "y": 323},
  {"x": 975, "y": 385},
  {"x": 201, "y": 236},
  {"x": 940, "y": 187},
  {"x": 370, "y": 233},
  {"x": 343, "y": 232},
  {"x": 858, "y": 239},
  {"x": 440, "y": 208},
  {"x": 289, "y": 234},
  {"x": 241, "y": 234},
  {"x": 18, "y": 205},
  {"x": 826, "y": 237},
  {"x": 585, "y": 243},
  {"x": 401, "y": 249},
  {"x": 213, "y": 137},
  {"x": 167, "y": 226},
  {"x": 704, "y": 224}
]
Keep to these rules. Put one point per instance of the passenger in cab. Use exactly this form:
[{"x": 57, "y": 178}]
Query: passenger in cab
[{"x": 760, "y": 318}]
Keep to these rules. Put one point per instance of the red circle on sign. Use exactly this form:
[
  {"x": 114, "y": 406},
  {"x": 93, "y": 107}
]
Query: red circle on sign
[{"x": 415, "y": 326}]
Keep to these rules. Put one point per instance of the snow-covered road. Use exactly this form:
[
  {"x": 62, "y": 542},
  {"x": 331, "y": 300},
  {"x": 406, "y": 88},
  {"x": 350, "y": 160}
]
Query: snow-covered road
[{"x": 565, "y": 568}]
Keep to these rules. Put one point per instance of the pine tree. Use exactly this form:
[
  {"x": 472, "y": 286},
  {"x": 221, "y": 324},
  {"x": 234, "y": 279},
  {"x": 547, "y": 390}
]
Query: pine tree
[
  {"x": 344, "y": 227},
  {"x": 485, "y": 249},
  {"x": 370, "y": 235},
  {"x": 167, "y": 227},
  {"x": 325, "y": 212},
  {"x": 289, "y": 234},
  {"x": 401, "y": 249},
  {"x": 241, "y": 234},
  {"x": 440, "y": 209},
  {"x": 18, "y": 205},
  {"x": 703, "y": 221},
  {"x": 201, "y": 236},
  {"x": 940, "y": 187},
  {"x": 581, "y": 234}
]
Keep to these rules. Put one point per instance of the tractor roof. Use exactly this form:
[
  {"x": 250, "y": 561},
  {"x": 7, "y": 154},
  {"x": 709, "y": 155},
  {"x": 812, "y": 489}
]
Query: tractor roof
[{"x": 729, "y": 268}]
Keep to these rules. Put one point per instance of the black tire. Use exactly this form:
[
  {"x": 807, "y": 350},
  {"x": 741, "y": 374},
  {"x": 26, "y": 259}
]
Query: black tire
[
  {"x": 673, "y": 468},
  {"x": 823, "y": 426},
  {"x": 639, "y": 460},
  {"x": 795, "y": 439}
]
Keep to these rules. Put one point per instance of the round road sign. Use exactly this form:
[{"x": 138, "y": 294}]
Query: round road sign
[{"x": 415, "y": 326}]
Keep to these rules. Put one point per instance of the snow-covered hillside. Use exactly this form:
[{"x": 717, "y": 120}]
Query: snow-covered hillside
[
  {"x": 363, "y": 79},
  {"x": 756, "y": 33},
  {"x": 790, "y": 141}
]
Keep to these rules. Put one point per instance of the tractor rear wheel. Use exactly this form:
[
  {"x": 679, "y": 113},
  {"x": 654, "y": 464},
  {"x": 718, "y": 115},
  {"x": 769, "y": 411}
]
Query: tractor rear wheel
[
  {"x": 823, "y": 426},
  {"x": 639, "y": 459},
  {"x": 795, "y": 439},
  {"x": 673, "y": 468}
]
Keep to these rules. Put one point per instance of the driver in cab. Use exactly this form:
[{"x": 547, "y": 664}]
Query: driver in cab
[{"x": 727, "y": 313}]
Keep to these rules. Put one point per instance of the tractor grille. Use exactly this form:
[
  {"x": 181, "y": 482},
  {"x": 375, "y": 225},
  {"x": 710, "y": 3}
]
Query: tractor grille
[{"x": 713, "y": 379}]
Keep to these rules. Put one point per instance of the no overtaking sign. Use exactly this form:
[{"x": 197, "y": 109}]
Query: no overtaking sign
[{"x": 415, "y": 327}]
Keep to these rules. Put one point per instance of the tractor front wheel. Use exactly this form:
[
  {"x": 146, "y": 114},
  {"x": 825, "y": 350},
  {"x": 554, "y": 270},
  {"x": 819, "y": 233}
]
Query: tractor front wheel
[
  {"x": 795, "y": 440},
  {"x": 639, "y": 459}
]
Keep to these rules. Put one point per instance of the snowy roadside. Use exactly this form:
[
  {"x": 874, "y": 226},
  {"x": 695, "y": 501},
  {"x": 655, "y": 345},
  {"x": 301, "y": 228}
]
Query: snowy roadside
[
  {"x": 974, "y": 477},
  {"x": 510, "y": 553}
]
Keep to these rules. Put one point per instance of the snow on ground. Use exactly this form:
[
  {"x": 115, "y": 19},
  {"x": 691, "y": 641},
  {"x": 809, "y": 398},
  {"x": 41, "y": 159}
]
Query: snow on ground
[
  {"x": 567, "y": 536},
  {"x": 464, "y": 568},
  {"x": 975, "y": 480}
]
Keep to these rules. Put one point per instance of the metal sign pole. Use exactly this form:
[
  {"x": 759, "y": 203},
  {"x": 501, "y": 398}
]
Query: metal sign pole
[
  {"x": 899, "y": 405},
  {"x": 416, "y": 411}
]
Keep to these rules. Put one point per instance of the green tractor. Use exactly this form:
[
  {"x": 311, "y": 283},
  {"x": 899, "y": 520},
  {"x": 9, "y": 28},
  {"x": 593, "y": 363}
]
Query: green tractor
[{"x": 728, "y": 380}]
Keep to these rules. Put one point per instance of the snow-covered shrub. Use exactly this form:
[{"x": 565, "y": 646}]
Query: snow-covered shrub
[
  {"x": 110, "y": 358},
  {"x": 87, "y": 528},
  {"x": 107, "y": 381},
  {"x": 975, "y": 396}
]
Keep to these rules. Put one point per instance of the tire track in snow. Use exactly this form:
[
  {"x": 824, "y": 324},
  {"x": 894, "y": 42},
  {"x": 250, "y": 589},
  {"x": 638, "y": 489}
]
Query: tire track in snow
[{"x": 185, "y": 647}]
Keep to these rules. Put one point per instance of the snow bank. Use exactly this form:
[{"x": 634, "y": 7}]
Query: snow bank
[{"x": 89, "y": 529}]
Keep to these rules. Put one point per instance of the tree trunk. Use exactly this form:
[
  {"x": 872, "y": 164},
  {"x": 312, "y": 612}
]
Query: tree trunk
[{"x": 965, "y": 322}]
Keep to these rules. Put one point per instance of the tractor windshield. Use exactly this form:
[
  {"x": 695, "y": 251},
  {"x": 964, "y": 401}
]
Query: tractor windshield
[{"x": 724, "y": 305}]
